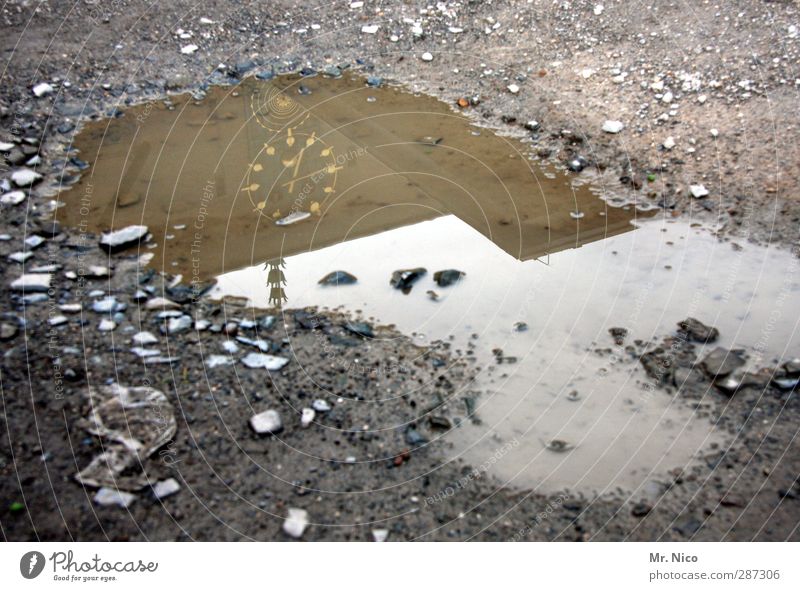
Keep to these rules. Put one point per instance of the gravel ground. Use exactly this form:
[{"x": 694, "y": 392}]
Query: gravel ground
[{"x": 719, "y": 80}]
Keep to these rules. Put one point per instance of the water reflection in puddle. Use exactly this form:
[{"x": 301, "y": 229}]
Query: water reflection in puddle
[
  {"x": 624, "y": 434},
  {"x": 292, "y": 185}
]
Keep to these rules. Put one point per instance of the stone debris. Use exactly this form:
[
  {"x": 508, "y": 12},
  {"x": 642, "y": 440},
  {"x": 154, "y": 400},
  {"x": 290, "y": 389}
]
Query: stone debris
[
  {"x": 696, "y": 331},
  {"x": 165, "y": 488},
  {"x": 296, "y": 523},
  {"x": 267, "y": 423},
  {"x": 307, "y": 417},
  {"x": 698, "y": 191},
  {"x": 25, "y": 177},
  {"x": 268, "y": 362},
  {"x": 32, "y": 283},
  {"x": 122, "y": 239},
  {"x": 144, "y": 338},
  {"x": 720, "y": 362},
  {"x": 111, "y": 497},
  {"x": 380, "y": 535},
  {"x": 613, "y": 126}
]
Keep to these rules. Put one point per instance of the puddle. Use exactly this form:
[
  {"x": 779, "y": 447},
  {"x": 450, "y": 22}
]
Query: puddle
[{"x": 387, "y": 180}]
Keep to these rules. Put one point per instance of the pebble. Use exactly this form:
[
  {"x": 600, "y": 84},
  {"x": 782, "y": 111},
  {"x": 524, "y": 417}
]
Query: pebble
[
  {"x": 20, "y": 257},
  {"x": 427, "y": 57},
  {"x": 307, "y": 417},
  {"x": 161, "y": 304},
  {"x": 669, "y": 143},
  {"x": 13, "y": 198},
  {"x": 107, "y": 305},
  {"x": 31, "y": 283},
  {"x": 42, "y": 89},
  {"x": 380, "y": 535},
  {"x": 213, "y": 361},
  {"x": 320, "y": 405},
  {"x": 25, "y": 177},
  {"x": 370, "y": 29},
  {"x": 189, "y": 49},
  {"x": 122, "y": 239},
  {"x": 296, "y": 523},
  {"x": 144, "y": 338},
  {"x": 338, "y": 278},
  {"x": 268, "y": 362},
  {"x": 109, "y": 497},
  {"x": 142, "y": 352},
  {"x": 293, "y": 218},
  {"x": 70, "y": 308},
  {"x": 513, "y": 88},
  {"x": 34, "y": 241},
  {"x": 165, "y": 488},
  {"x": 178, "y": 325},
  {"x": 720, "y": 362},
  {"x": 57, "y": 320},
  {"x": 698, "y": 191},
  {"x": 106, "y": 325},
  {"x": 267, "y": 422},
  {"x": 612, "y": 126}
]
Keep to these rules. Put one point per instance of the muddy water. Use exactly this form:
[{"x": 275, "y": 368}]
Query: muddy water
[{"x": 382, "y": 180}]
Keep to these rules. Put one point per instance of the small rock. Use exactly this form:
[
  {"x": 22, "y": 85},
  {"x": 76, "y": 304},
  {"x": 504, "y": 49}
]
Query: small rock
[
  {"x": 696, "y": 331},
  {"x": 361, "y": 329},
  {"x": 144, "y": 338},
  {"x": 427, "y": 57},
  {"x": 307, "y": 417},
  {"x": 267, "y": 422},
  {"x": 268, "y": 362},
  {"x": 380, "y": 535},
  {"x": 447, "y": 277},
  {"x": 32, "y": 283},
  {"x": 293, "y": 218},
  {"x": 178, "y": 325},
  {"x": 42, "y": 89},
  {"x": 109, "y": 497},
  {"x": 165, "y": 488},
  {"x": 720, "y": 362},
  {"x": 57, "y": 320},
  {"x": 25, "y": 177},
  {"x": 337, "y": 278},
  {"x": 296, "y": 522},
  {"x": 404, "y": 279},
  {"x": 669, "y": 143},
  {"x": 612, "y": 126},
  {"x": 13, "y": 198},
  {"x": 106, "y": 325},
  {"x": 121, "y": 239},
  {"x": 513, "y": 88},
  {"x": 8, "y": 331},
  {"x": 320, "y": 405},
  {"x": 189, "y": 49},
  {"x": 698, "y": 191},
  {"x": 161, "y": 304},
  {"x": 618, "y": 334}
]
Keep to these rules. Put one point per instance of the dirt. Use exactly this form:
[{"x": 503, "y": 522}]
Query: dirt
[{"x": 236, "y": 485}]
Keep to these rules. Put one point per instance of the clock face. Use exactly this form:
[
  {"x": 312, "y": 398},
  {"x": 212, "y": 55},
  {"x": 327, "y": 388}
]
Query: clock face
[{"x": 294, "y": 170}]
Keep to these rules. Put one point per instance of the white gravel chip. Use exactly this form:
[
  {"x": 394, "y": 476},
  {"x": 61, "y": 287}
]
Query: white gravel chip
[
  {"x": 669, "y": 143},
  {"x": 25, "y": 177},
  {"x": 32, "y": 282},
  {"x": 260, "y": 360},
  {"x": 296, "y": 523},
  {"x": 165, "y": 488},
  {"x": 613, "y": 126},
  {"x": 307, "y": 417},
  {"x": 427, "y": 56},
  {"x": 513, "y": 88},
  {"x": 13, "y": 198},
  {"x": 267, "y": 422},
  {"x": 189, "y": 49},
  {"x": 42, "y": 89},
  {"x": 370, "y": 29},
  {"x": 380, "y": 535},
  {"x": 698, "y": 191},
  {"x": 109, "y": 497}
]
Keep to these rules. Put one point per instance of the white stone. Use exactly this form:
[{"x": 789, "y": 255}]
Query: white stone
[
  {"x": 513, "y": 88},
  {"x": 34, "y": 241},
  {"x": 57, "y": 320},
  {"x": 370, "y": 29},
  {"x": 427, "y": 57},
  {"x": 189, "y": 49},
  {"x": 213, "y": 361},
  {"x": 25, "y": 177},
  {"x": 161, "y": 304},
  {"x": 296, "y": 523},
  {"x": 293, "y": 218},
  {"x": 598, "y": 9},
  {"x": 165, "y": 488},
  {"x": 667, "y": 98},
  {"x": 669, "y": 143},
  {"x": 320, "y": 405},
  {"x": 612, "y": 126},
  {"x": 266, "y": 422},
  {"x": 698, "y": 191},
  {"x": 142, "y": 352},
  {"x": 206, "y": 21},
  {"x": 380, "y": 535},
  {"x": 109, "y": 497},
  {"x": 42, "y": 89},
  {"x": 32, "y": 282},
  {"x": 307, "y": 416},
  {"x": 106, "y": 325},
  {"x": 70, "y": 308},
  {"x": 20, "y": 257},
  {"x": 714, "y": 132},
  {"x": 355, "y": 5},
  {"x": 179, "y": 325},
  {"x": 268, "y": 362},
  {"x": 13, "y": 198},
  {"x": 702, "y": 99},
  {"x": 6, "y": 146},
  {"x": 122, "y": 238},
  {"x": 144, "y": 338}
]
